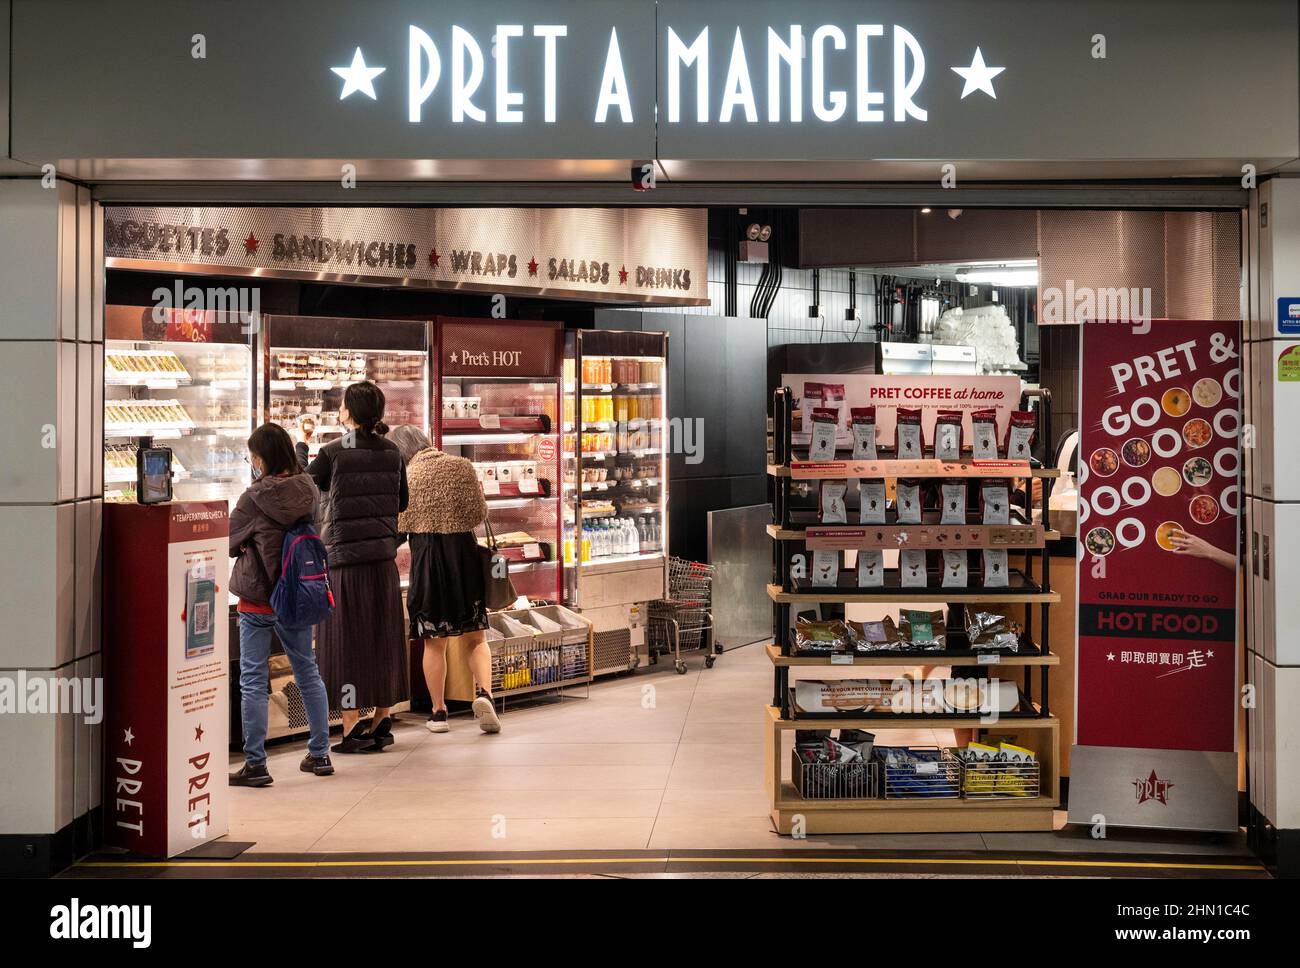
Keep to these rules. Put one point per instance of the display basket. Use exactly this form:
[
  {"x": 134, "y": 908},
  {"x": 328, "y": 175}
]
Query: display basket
[
  {"x": 939, "y": 779},
  {"x": 998, "y": 779},
  {"x": 859, "y": 780}
]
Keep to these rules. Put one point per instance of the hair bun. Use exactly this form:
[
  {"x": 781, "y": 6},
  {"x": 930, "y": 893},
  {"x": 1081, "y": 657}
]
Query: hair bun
[{"x": 380, "y": 428}]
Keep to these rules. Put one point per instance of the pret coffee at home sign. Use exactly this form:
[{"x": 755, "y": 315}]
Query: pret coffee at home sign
[{"x": 1159, "y": 498}]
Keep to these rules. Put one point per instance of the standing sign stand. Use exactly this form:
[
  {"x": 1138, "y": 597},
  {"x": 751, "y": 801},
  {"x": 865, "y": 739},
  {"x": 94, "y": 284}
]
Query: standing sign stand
[
  {"x": 1159, "y": 503},
  {"x": 166, "y": 651}
]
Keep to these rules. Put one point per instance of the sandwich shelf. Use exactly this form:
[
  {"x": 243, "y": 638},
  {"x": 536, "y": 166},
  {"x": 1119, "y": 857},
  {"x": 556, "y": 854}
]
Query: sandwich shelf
[{"x": 797, "y": 533}]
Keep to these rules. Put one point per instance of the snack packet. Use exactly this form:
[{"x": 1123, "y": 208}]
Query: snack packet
[
  {"x": 995, "y": 568},
  {"x": 954, "y": 569},
  {"x": 862, "y": 421},
  {"x": 833, "y": 508},
  {"x": 953, "y": 494},
  {"x": 826, "y": 569},
  {"x": 984, "y": 436},
  {"x": 909, "y": 441},
  {"x": 995, "y": 501},
  {"x": 921, "y": 629},
  {"x": 820, "y": 638},
  {"x": 907, "y": 501},
  {"x": 871, "y": 498},
  {"x": 911, "y": 568},
  {"x": 947, "y": 435},
  {"x": 868, "y": 638},
  {"x": 824, "y": 424},
  {"x": 871, "y": 568},
  {"x": 987, "y": 631},
  {"x": 1020, "y": 434}
]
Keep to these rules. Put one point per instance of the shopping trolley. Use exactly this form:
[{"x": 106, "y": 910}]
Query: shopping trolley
[{"x": 684, "y": 620}]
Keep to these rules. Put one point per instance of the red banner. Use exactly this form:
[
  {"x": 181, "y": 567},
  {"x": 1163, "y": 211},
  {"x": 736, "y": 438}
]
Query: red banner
[{"x": 1159, "y": 467}]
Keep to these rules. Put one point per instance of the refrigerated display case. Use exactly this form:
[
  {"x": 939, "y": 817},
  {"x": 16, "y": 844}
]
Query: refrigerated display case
[
  {"x": 497, "y": 402},
  {"x": 307, "y": 363},
  {"x": 615, "y": 484},
  {"x": 185, "y": 379}
]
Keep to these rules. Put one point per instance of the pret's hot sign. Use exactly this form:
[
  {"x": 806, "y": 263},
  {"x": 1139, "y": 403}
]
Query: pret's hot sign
[{"x": 1159, "y": 498}]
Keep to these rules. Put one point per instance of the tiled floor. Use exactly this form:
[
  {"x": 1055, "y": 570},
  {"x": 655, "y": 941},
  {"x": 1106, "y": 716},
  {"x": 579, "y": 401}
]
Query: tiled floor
[{"x": 652, "y": 761}]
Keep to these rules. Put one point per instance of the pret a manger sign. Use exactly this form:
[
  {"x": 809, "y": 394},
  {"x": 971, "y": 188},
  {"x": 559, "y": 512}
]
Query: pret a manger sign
[{"x": 774, "y": 74}]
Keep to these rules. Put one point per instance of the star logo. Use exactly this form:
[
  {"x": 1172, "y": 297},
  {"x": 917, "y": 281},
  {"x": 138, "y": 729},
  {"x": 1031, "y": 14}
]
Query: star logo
[
  {"x": 532, "y": 267},
  {"x": 434, "y": 258},
  {"x": 1110, "y": 656},
  {"x": 127, "y": 736},
  {"x": 1153, "y": 788},
  {"x": 622, "y": 275},
  {"x": 358, "y": 77},
  {"x": 978, "y": 77},
  {"x": 455, "y": 357},
  {"x": 250, "y": 244},
  {"x": 198, "y": 733}
]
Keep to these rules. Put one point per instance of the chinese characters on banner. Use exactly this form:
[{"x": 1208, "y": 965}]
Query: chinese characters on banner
[{"x": 1159, "y": 463}]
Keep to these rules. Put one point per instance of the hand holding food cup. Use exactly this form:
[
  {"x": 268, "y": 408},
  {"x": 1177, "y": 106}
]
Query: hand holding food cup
[{"x": 1189, "y": 544}]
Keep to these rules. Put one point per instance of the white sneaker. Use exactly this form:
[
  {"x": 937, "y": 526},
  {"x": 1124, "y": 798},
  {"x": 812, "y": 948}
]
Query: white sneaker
[
  {"x": 437, "y": 722},
  {"x": 486, "y": 713}
]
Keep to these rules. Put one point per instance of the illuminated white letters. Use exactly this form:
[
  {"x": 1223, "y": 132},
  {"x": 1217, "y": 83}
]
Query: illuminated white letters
[
  {"x": 697, "y": 54},
  {"x": 867, "y": 97},
  {"x": 507, "y": 100},
  {"x": 738, "y": 90},
  {"x": 905, "y": 85},
  {"x": 422, "y": 84},
  {"x": 792, "y": 53},
  {"x": 832, "y": 109},
  {"x": 613, "y": 85},
  {"x": 463, "y": 88},
  {"x": 548, "y": 33}
]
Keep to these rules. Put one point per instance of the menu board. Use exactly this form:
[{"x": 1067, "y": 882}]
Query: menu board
[{"x": 1159, "y": 465}]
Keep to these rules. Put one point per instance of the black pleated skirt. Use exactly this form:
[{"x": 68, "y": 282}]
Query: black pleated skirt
[
  {"x": 446, "y": 595},
  {"x": 361, "y": 648}
]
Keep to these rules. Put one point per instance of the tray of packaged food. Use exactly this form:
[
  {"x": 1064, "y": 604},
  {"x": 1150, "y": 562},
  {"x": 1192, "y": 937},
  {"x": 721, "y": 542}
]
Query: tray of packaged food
[
  {"x": 907, "y": 699},
  {"x": 494, "y": 423},
  {"x": 839, "y": 768},
  {"x": 1000, "y": 772},
  {"x": 918, "y": 633},
  {"x": 917, "y": 772},
  {"x": 142, "y": 367}
]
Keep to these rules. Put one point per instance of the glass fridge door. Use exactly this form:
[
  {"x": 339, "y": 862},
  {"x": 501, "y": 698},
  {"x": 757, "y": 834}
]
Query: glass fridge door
[
  {"x": 615, "y": 445},
  {"x": 183, "y": 378},
  {"x": 309, "y": 361},
  {"x": 497, "y": 404}
]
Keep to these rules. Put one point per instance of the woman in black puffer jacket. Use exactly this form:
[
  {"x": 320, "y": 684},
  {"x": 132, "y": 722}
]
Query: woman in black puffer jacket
[{"x": 362, "y": 645}]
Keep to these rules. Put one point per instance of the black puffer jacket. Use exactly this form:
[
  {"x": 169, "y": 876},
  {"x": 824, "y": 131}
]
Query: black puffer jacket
[
  {"x": 364, "y": 483},
  {"x": 264, "y": 512}
]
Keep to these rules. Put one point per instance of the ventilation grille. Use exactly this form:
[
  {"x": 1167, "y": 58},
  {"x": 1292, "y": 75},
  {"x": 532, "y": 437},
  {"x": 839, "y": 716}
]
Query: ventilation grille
[{"x": 614, "y": 652}]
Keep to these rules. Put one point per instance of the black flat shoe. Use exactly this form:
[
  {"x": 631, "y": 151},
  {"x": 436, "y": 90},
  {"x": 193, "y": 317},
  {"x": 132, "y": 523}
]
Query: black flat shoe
[
  {"x": 320, "y": 765},
  {"x": 357, "y": 741},
  {"x": 383, "y": 733},
  {"x": 252, "y": 776}
]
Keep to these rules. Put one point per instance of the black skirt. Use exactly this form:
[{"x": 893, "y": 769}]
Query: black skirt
[
  {"x": 446, "y": 595},
  {"x": 361, "y": 648}
]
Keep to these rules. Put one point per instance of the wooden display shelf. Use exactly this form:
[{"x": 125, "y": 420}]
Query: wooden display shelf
[
  {"x": 963, "y": 658},
  {"x": 907, "y": 815},
  {"x": 906, "y": 469},
  {"x": 933, "y": 593},
  {"x": 799, "y": 533}
]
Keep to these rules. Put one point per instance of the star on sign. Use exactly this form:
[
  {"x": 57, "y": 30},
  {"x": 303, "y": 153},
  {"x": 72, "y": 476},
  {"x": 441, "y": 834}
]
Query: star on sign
[
  {"x": 127, "y": 736},
  {"x": 1110, "y": 656},
  {"x": 979, "y": 76},
  {"x": 358, "y": 77}
]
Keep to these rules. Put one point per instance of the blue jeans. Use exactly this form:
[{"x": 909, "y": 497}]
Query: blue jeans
[{"x": 254, "y": 683}]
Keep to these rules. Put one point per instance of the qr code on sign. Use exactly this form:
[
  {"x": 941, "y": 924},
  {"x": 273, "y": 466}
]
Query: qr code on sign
[{"x": 202, "y": 617}]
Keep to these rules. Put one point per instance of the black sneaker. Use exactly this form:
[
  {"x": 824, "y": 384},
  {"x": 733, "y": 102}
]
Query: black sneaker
[
  {"x": 320, "y": 765},
  {"x": 383, "y": 733},
  {"x": 357, "y": 741},
  {"x": 252, "y": 776},
  {"x": 437, "y": 722}
]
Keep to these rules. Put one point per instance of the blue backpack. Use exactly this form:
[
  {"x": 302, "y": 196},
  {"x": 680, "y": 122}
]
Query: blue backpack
[{"x": 302, "y": 597}]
